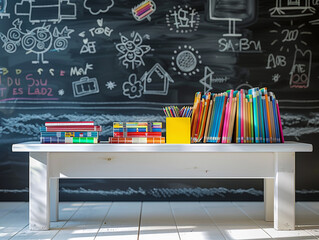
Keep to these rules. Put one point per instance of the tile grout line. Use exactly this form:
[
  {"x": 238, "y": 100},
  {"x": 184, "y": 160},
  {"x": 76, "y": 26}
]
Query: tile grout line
[
  {"x": 311, "y": 210},
  {"x": 22, "y": 227},
  {"x": 68, "y": 220},
  {"x": 139, "y": 222},
  {"x": 212, "y": 219},
  {"x": 243, "y": 211},
  {"x": 104, "y": 219},
  {"x": 172, "y": 211}
]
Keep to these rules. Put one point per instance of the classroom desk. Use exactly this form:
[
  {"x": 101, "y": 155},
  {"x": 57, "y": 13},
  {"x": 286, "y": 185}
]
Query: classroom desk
[{"x": 275, "y": 163}]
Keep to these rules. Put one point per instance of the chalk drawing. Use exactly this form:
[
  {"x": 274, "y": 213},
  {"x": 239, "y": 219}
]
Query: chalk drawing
[
  {"x": 132, "y": 51},
  {"x": 98, "y": 6},
  {"x": 79, "y": 71},
  {"x": 144, "y": 10},
  {"x": 301, "y": 69},
  {"x": 46, "y": 11},
  {"x": 82, "y": 34},
  {"x": 183, "y": 19},
  {"x": 276, "y": 61},
  {"x": 156, "y": 81},
  {"x": 290, "y": 34},
  {"x": 186, "y": 60},
  {"x": 61, "y": 92},
  {"x": 292, "y": 8},
  {"x": 38, "y": 40},
  {"x": 208, "y": 79},
  {"x": 244, "y": 85},
  {"x": 241, "y": 45},
  {"x": 88, "y": 47},
  {"x": 85, "y": 86},
  {"x": 3, "y": 9},
  {"x": 314, "y": 22},
  {"x": 276, "y": 77},
  {"x": 99, "y": 30},
  {"x": 133, "y": 88},
  {"x": 110, "y": 85}
]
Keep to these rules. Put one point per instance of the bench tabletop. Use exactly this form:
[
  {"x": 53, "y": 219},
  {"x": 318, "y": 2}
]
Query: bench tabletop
[{"x": 157, "y": 148}]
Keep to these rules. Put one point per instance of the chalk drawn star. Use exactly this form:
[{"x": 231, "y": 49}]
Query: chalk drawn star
[
  {"x": 207, "y": 80},
  {"x": 61, "y": 92},
  {"x": 110, "y": 85},
  {"x": 276, "y": 77}
]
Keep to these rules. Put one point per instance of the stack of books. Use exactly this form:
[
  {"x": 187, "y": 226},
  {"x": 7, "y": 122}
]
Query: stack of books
[
  {"x": 241, "y": 116},
  {"x": 137, "y": 132},
  {"x": 70, "y": 132}
]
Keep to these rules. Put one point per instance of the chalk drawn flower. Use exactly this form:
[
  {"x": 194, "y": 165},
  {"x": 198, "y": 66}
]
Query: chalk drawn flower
[
  {"x": 132, "y": 51},
  {"x": 132, "y": 88}
]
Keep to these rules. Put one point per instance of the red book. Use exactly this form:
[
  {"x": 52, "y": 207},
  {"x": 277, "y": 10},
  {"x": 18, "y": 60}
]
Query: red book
[
  {"x": 79, "y": 128},
  {"x": 138, "y": 134},
  {"x": 70, "y": 123}
]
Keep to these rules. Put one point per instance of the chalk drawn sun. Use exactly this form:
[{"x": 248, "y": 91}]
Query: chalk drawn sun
[
  {"x": 276, "y": 77},
  {"x": 186, "y": 60}
]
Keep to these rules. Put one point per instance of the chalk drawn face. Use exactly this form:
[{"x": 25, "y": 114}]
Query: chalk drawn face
[{"x": 132, "y": 51}]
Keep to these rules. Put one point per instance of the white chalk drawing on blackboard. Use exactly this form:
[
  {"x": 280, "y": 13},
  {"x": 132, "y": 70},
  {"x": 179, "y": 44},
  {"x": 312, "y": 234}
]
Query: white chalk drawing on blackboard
[
  {"x": 132, "y": 51},
  {"x": 78, "y": 71},
  {"x": 156, "y": 81},
  {"x": 275, "y": 78},
  {"x": 292, "y": 8},
  {"x": 182, "y": 19},
  {"x": 301, "y": 69},
  {"x": 288, "y": 34},
  {"x": 276, "y": 61},
  {"x": 48, "y": 11},
  {"x": 144, "y": 10},
  {"x": 85, "y": 86},
  {"x": 110, "y": 85},
  {"x": 133, "y": 88},
  {"x": 244, "y": 85},
  {"x": 88, "y": 47},
  {"x": 98, "y": 6},
  {"x": 61, "y": 92},
  {"x": 82, "y": 34},
  {"x": 38, "y": 40},
  {"x": 314, "y": 22},
  {"x": 208, "y": 79},
  {"x": 3, "y": 9},
  {"x": 100, "y": 29},
  {"x": 186, "y": 60}
]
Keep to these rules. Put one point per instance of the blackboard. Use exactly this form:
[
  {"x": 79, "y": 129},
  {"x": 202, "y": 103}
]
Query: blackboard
[{"x": 120, "y": 60}]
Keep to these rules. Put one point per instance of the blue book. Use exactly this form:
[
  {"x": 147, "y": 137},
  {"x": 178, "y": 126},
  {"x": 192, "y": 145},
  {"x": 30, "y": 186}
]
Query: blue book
[
  {"x": 69, "y": 134},
  {"x": 214, "y": 126},
  {"x": 262, "y": 127},
  {"x": 265, "y": 118},
  {"x": 274, "y": 107}
]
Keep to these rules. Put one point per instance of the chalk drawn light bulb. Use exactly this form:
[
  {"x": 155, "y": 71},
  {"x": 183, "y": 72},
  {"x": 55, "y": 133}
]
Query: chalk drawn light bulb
[
  {"x": 301, "y": 68},
  {"x": 144, "y": 10}
]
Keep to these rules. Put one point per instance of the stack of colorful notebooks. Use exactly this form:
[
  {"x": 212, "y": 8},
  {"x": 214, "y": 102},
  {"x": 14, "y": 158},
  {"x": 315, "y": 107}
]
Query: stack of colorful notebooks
[
  {"x": 70, "y": 132},
  {"x": 137, "y": 132},
  {"x": 241, "y": 116}
]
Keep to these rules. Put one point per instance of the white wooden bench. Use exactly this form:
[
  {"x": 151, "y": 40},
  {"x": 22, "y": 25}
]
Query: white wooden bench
[{"x": 275, "y": 163}]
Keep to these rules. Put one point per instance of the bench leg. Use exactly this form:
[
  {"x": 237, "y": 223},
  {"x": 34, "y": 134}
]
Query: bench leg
[
  {"x": 269, "y": 199},
  {"x": 39, "y": 202},
  {"x": 54, "y": 199},
  {"x": 284, "y": 214}
]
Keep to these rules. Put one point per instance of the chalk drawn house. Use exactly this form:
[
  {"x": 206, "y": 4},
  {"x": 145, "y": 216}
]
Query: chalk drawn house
[{"x": 156, "y": 81}]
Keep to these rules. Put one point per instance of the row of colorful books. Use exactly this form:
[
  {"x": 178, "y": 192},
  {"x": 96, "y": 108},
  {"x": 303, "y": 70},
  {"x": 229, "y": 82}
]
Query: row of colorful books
[
  {"x": 137, "y": 132},
  {"x": 241, "y": 116},
  {"x": 70, "y": 132}
]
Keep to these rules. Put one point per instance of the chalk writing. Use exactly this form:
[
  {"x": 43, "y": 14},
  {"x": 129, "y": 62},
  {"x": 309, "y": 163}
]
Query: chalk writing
[
  {"x": 46, "y": 11},
  {"x": 156, "y": 81},
  {"x": 98, "y": 6},
  {"x": 110, "y": 85},
  {"x": 51, "y": 71},
  {"x": 292, "y": 8},
  {"x": 276, "y": 61},
  {"x": 38, "y": 40},
  {"x": 3, "y": 9},
  {"x": 88, "y": 47},
  {"x": 133, "y": 88},
  {"x": 132, "y": 51},
  {"x": 186, "y": 60},
  {"x": 85, "y": 86},
  {"x": 276, "y": 77},
  {"x": 239, "y": 45},
  {"x": 144, "y": 10},
  {"x": 301, "y": 69},
  {"x": 99, "y": 30},
  {"x": 78, "y": 71},
  {"x": 183, "y": 19}
]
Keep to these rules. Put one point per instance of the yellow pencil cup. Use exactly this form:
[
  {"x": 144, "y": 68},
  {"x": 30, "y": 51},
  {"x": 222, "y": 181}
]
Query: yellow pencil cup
[{"x": 178, "y": 130}]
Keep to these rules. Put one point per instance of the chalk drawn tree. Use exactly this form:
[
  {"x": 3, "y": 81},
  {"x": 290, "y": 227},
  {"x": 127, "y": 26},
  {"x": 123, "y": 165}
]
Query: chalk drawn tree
[{"x": 39, "y": 40}]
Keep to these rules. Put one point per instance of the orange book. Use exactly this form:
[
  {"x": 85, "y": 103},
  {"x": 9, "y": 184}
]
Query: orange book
[
  {"x": 268, "y": 116},
  {"x": 199, "y": 120},
  {"x": 205, "y": 112},
  {"x": 195, "y": 114}
]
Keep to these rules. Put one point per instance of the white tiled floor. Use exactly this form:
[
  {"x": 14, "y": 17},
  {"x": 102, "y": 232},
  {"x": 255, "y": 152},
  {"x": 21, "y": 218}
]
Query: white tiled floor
[{"x": 159, "y": 220}]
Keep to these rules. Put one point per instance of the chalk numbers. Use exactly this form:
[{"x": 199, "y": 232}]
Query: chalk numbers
[{"x": 289, "y": 35}]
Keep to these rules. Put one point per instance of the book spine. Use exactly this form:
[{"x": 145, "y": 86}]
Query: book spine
[
  {"x": 71, "y": 129},
  {"x": 280, "y": 124},
  {"x": 137, "y": 134},
  {"x": 69, "y": 134},
  {"x": 69, "y": 123},
  {"x": 130, "y": 140},
  {"x": 68, "y": 140}
]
